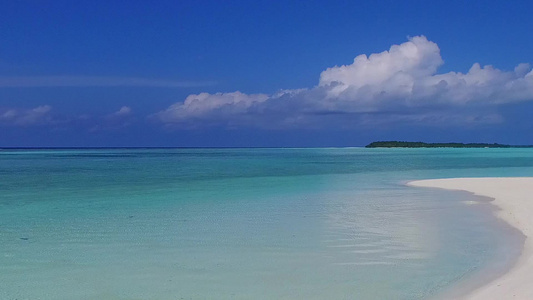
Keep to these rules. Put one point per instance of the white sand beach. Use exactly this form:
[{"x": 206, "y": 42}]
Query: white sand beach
[{"x": 514, "y": 198}]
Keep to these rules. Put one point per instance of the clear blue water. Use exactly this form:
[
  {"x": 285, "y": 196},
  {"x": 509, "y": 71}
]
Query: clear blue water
[{"x": 244, "y": 223}]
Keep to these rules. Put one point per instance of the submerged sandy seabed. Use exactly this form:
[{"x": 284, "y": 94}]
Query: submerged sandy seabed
[{"x": 514, "y": 198}]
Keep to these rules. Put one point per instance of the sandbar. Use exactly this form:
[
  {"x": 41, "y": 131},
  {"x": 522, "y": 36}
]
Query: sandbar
[{"x": 514, "y": 198}]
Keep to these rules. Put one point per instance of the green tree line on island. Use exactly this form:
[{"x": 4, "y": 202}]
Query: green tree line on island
[{"x": 399, "y": 144}]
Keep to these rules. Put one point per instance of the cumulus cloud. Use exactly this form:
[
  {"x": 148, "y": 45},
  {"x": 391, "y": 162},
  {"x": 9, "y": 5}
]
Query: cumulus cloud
[
  {"x": 123, "y": 111},
  {"x": 117, "y": 120},
  {"x": 26, "y": 117},
  {"x": 392, "y": 72},
  {"x": 211, "y": 108},
  {"x": 401, "y": 84}
]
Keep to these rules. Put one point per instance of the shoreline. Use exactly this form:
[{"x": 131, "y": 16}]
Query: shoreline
[{"x": 511, "y": 196}]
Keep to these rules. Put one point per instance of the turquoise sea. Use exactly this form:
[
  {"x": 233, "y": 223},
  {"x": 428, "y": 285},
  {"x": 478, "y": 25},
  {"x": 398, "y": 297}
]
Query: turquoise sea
[{"x": 246, "y": 223}]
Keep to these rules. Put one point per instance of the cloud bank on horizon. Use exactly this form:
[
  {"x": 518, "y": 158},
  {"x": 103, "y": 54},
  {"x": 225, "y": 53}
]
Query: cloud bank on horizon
[
  {"x": 398, "y": 85},
  {"x": 26, "y": 117}
]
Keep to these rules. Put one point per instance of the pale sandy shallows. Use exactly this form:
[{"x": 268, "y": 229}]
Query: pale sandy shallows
[{"x": 514, "y": 197}]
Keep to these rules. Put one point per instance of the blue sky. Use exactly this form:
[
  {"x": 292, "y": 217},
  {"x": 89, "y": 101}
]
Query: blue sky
[{"x": 264, "y": 73}]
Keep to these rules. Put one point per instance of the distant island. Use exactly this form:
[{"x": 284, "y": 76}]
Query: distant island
[{"x": 397, "y": 144}]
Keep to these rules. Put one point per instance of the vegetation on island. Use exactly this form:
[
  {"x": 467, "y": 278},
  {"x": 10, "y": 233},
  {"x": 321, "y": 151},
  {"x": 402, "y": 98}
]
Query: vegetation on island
[{"x": 397, "y": 144}]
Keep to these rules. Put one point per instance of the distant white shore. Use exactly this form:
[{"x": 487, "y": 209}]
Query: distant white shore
[{"x": 514, "y": 198}]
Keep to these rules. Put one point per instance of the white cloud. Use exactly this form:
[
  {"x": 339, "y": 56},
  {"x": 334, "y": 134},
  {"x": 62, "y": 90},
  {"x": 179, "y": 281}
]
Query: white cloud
[
  {"x": 26, "y": 117},
  {"x": 114, "y": 121},
  {"x": 399, "y": 84},
  {"x": 392, "y": 71},
  {"x": 211, "y": 107},
  {"x": 123, "y": 111}
]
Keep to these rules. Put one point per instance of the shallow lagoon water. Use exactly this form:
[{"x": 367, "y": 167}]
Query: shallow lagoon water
[{"x": 244, "y": 223}]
